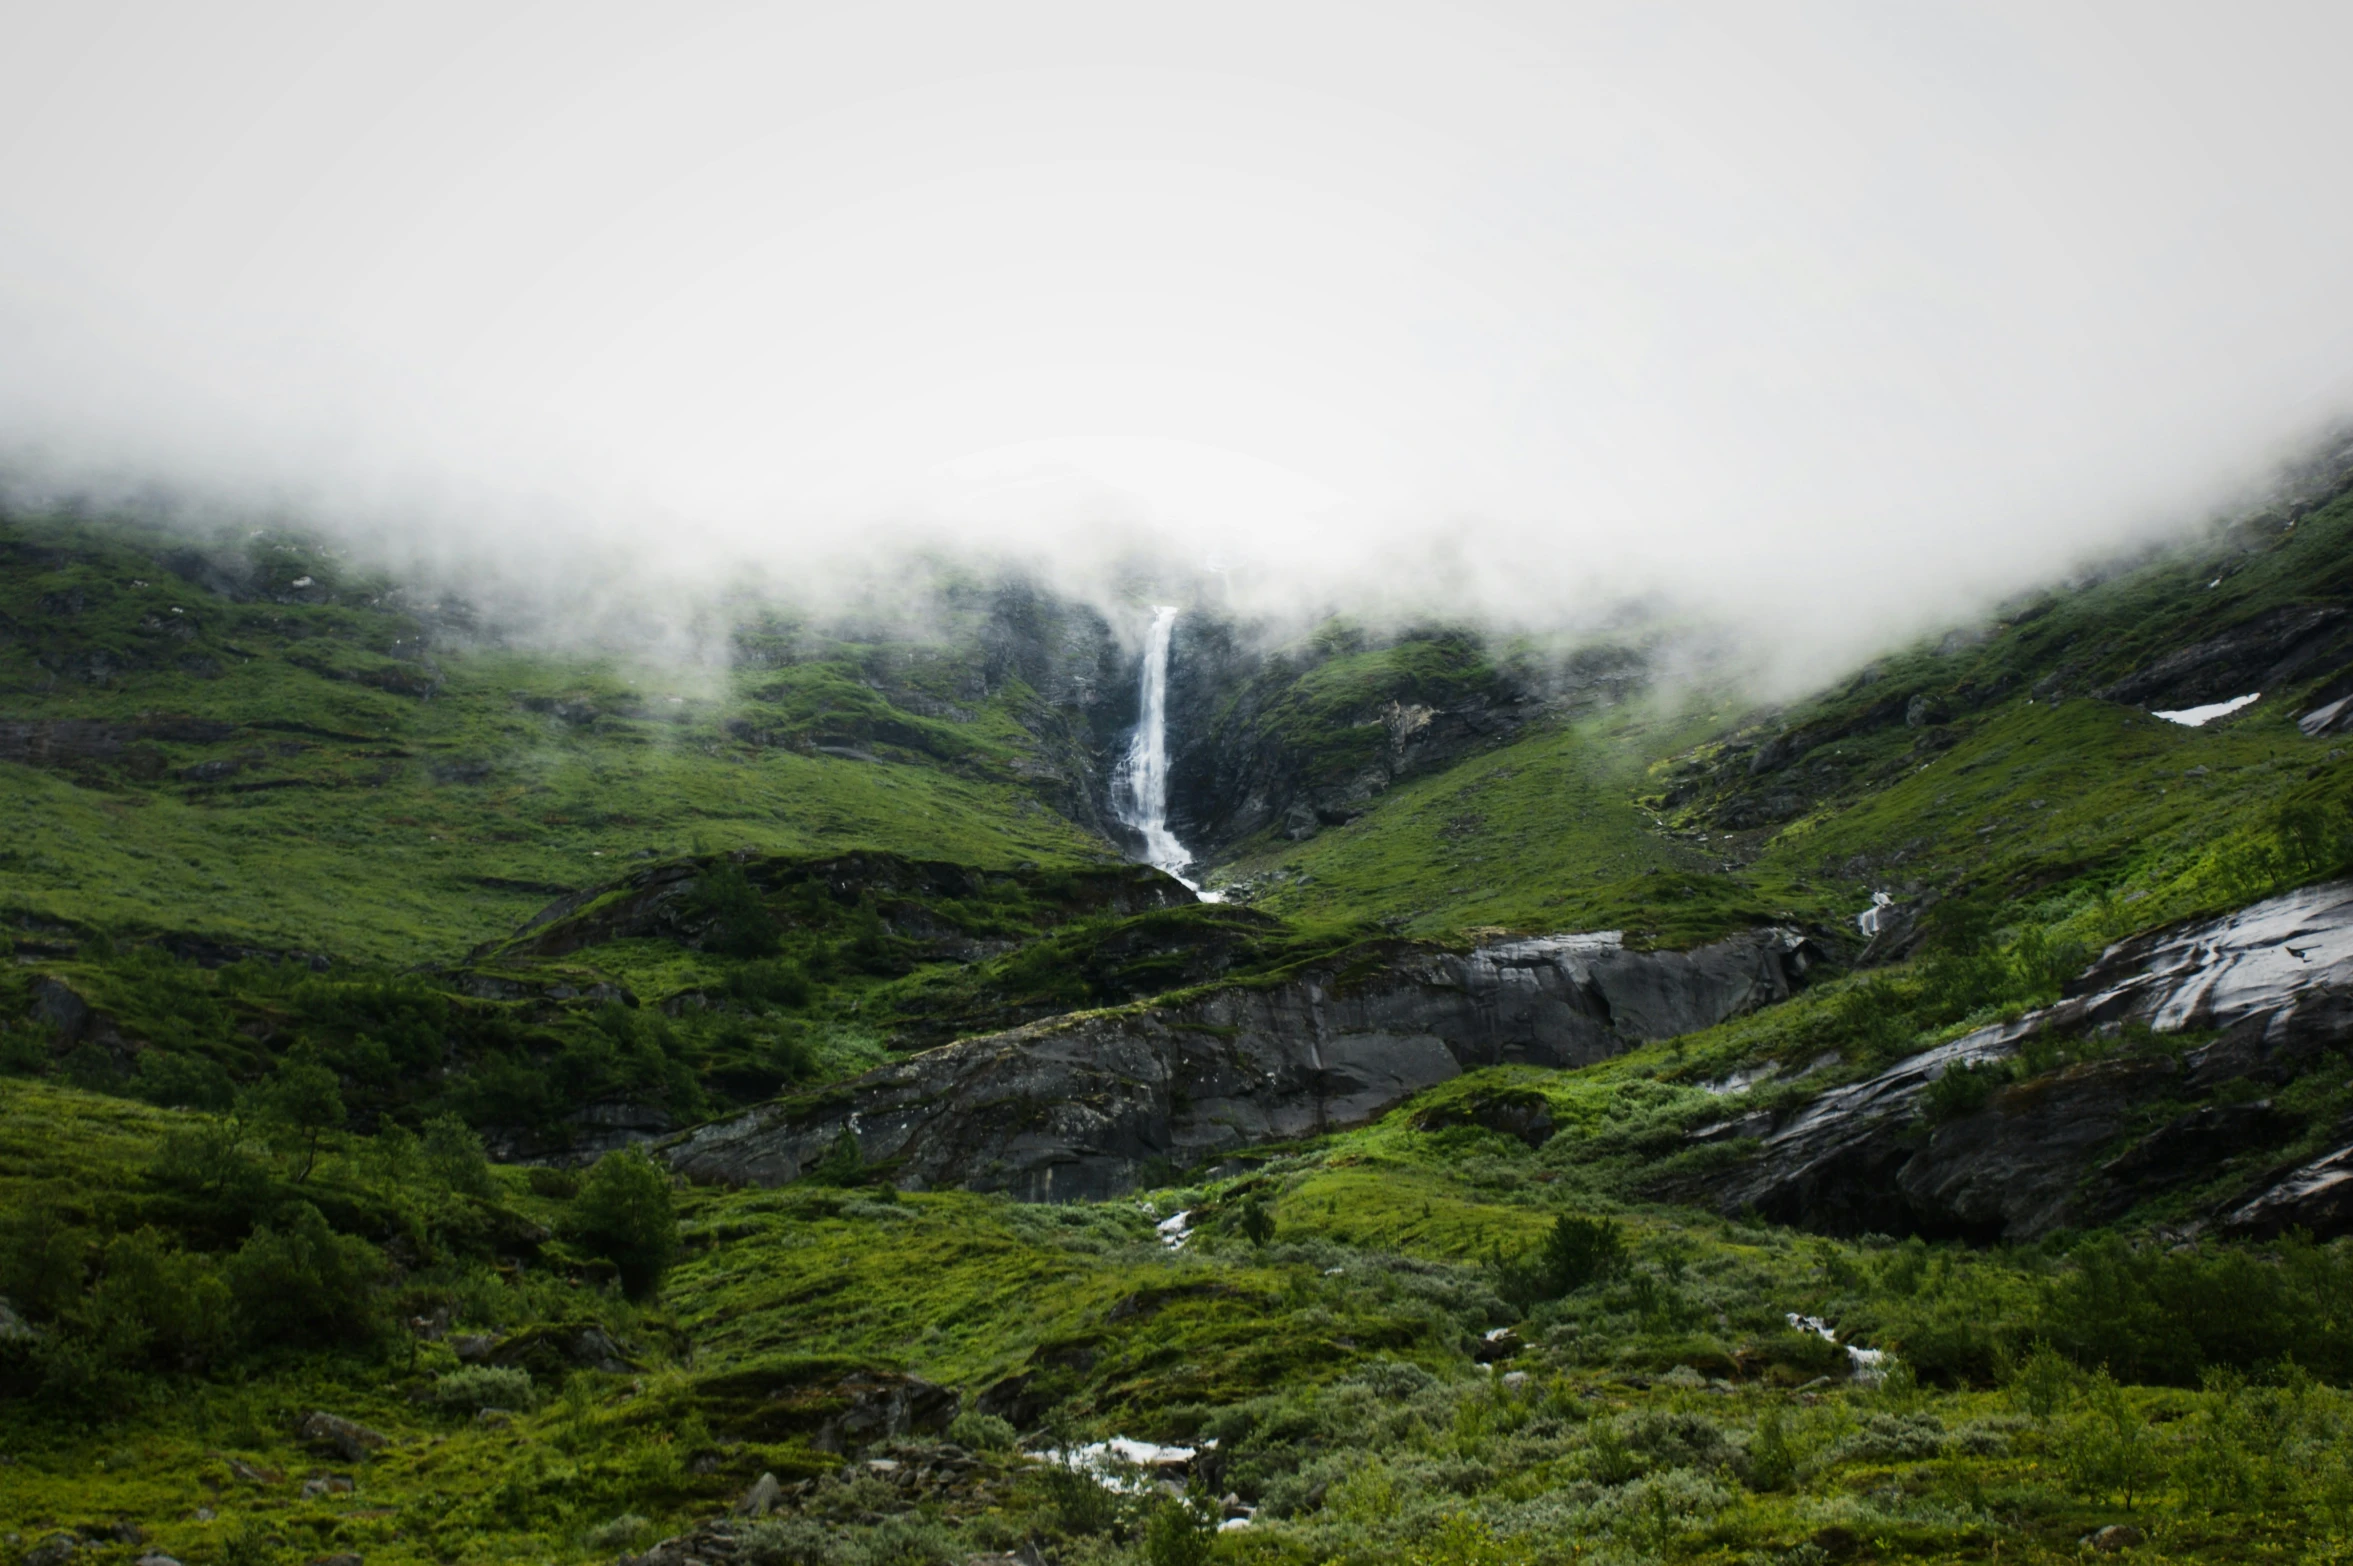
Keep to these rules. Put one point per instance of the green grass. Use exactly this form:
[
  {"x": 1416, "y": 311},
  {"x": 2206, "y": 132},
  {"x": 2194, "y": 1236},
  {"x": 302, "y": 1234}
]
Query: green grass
[
  {"x": 1543, "y": 834},
  {"x": 2085, "y": 815},
  {"x": 442, "y": 795},
  {"x": 1333, "y": 1366},
  {"x": 405, "y": 822}
]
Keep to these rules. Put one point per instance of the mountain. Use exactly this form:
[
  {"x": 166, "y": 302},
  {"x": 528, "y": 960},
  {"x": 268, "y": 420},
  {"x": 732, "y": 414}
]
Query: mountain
[{"x": 477, "y": 1090}]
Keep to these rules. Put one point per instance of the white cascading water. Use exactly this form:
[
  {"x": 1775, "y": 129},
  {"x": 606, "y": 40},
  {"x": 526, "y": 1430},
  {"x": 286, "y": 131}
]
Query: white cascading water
[{"x": 1139, "y": 789}]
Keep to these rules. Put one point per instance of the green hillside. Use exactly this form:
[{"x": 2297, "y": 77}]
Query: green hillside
[
  {"x": 349, "y": 938},
  {"x": 320, "y": 768},
  {"x": 2024, "y": 790}
]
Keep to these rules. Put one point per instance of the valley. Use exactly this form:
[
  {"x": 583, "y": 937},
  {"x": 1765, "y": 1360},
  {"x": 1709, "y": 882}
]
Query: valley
[{"x": 780, "y": 1105}]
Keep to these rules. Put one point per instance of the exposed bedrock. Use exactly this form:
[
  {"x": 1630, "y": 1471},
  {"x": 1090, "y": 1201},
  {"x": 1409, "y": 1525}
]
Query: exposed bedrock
[
  {"x": 2082, "y": 1144},
  {"x": 1074, "y": 1108}
]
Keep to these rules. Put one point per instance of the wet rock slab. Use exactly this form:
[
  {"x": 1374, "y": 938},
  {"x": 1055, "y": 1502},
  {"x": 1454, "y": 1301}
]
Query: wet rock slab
[
  {"x": 1074, "y": 1108},
  {"x": 2275, "y": 980}
]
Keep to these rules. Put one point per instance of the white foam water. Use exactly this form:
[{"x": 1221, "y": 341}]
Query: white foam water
[{"x": 1139, "y": 789}]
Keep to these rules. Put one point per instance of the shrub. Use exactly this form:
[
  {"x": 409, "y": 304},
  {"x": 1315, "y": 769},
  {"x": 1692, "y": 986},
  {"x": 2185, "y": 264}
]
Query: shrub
[
  {"x": 2219, "y": 1471},
  {"x": 740, "y": 924},
  {"x": 300, "y": 1284},
  {"x": 42, "y": 1261},
  {"x": 982, "y": 1432},
  {"x": 454, "y": 1155},
  {"x": 2106, "y": 1450},
  {"x": 485, "y": 1386},
  {"x": 2042, "y": 1382},
  {"x": 24, "y": 1049},
  {"x": 2166, "y": 1316},
  {"x": 1256, "y": 1221},
  {"x": 155, "y": 1305},
  {"x": 1081, "y": 1503},
  {"x": 773, "y": 982},
  {"x": 557, "y": 1184},
  {"x": 625, "y": 1214},
  {"x": 842, "y": 1165},
  {"x": 208, "y": 1163},
  {"x": 1577, "y": 1251},
  {"x": 623, "y": 1534},
  {"x": 1772, "y": 1462},
  {"x": 178, "y": 1081},
  {"x": 1962, "y": 1090},
  {"x": 1178, "y": 1533},
  {"x": 1465, "y": 1541}
]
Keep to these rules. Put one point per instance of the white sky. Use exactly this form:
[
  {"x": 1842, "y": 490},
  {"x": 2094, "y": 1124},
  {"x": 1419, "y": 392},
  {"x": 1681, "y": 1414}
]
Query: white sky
[{"x": 1851, "y": 312}]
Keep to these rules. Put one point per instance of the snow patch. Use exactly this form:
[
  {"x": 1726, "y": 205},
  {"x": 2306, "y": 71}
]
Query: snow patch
[{"x": 2199, "y": 717}]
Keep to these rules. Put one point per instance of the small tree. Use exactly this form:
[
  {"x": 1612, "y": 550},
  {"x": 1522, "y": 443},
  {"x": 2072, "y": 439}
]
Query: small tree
[
  {"x": 298, "y": 1105},
  {"x": 624, "y": 1213},
  {"x": 1257, "y": 1222},
  {"x": 208, "y": 1162},
  {"x": 1771, "y": 1462},
  {"x": 741, "y": 925},
  {"x": 455, "y": 1156}
]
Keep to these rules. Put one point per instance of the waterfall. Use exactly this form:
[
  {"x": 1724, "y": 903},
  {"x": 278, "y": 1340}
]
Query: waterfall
[{"x": 1139, "y": 789}]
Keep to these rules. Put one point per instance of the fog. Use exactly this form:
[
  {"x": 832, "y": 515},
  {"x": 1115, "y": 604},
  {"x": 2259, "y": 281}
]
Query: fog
[{"x": 1830, "y": 323}]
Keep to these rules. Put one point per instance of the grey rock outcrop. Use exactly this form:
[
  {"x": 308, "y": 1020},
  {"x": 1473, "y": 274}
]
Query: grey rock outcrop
[
  {"x": 2317, "y": 1198},
  {"x": 1072, "y": 1109},
  {"x": 1256, "y": 743},
  {"x": 2275, "y": 980},
  {"x": 2266, "y": 653}
]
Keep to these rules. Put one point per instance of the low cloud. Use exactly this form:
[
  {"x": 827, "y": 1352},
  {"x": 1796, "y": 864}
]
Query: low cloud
[{"x": 1827, "y": 326}]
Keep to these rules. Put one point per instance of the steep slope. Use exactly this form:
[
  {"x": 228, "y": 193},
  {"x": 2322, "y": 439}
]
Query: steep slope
[
  {"x": 235, "y": 742},
  {"x": 1430, "y": 1294},
  {"x": 2015, "y": 763}
]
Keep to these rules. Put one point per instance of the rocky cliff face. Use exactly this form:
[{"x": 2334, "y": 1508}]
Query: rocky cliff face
[
  {"x": 2082, "y": 1144},
  {"x": 1075, "y": 1108},
  {"x": 1306, "y": 736}
]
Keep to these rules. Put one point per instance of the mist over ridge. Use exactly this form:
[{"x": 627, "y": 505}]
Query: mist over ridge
[{"x": 1825, "y": 331}]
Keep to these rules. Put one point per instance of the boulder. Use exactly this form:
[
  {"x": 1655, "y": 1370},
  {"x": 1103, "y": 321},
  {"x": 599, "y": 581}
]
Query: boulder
[
  {"x": 880, "y": 1408},
  {"x": 55, "y": 1550},
  {"x": 347, "y": 1438},
  {"x": 760, "y": 1499}
]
